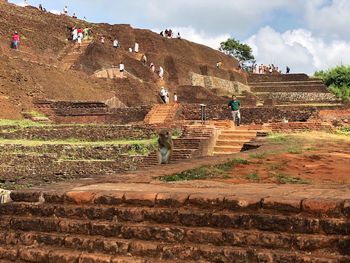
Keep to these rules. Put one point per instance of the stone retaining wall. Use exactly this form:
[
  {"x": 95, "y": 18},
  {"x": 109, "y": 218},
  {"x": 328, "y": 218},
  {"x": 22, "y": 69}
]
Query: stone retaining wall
[
  {"x": 81, "y": 132},
  {"x": 221, "y": 87},
  {"x": 300, "y": 127},
  {"x": 276, "y": 77},
  {"x": 253, "y": 114},
  {"x": 302, "y": 97}
]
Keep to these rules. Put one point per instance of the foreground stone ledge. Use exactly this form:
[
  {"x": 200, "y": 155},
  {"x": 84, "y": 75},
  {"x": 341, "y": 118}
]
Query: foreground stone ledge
[
  {"x": 172, "y": 199},
  {"x": 316, "y": 206},
  {"x": 286, "y": 205},
  {"x": 206, "y": 200},
  {"x": 26, "y": 196},
  {"x": 242, "y": 202},
  {"x": 140, "y": 198},
  {"x": 323, "y": 207}
]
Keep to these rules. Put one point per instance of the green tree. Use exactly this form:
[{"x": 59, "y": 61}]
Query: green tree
[
  {"x": 242, "y": 52},
  {"x": 338, "y": 80}
]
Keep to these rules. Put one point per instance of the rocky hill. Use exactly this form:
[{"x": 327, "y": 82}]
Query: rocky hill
[{"x": 42, "y": 70}]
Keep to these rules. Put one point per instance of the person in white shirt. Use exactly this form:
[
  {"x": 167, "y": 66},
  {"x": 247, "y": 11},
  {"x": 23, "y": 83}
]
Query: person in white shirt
[
  {"x": 167, "y": 99},
  {"x": 121, "y": 69},
  {"x": 175, "y": 97},
  {"x": 162, "y": 94},
  {"x": 136, "y": 49},
  {"x": 115, "y": 43},
  {"x": 152, "y": 67},
  {"x": 26, "y": 3},
  {"x": 161, "y": 72}
]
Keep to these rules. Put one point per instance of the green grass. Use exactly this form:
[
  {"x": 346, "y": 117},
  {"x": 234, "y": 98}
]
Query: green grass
[
  {"x": 278, "y": 166},
  {"x": 294, "y": 150},
  {"x": 77, "y": 142},
  {"x": 205, "y": 172},
  {"x": 276, "y": 138},
  {"x": 258, "y": 155},
  {"x": 283, "y": 178},
  {"x": 253, "y": 177},
  {"x": 20, "y": 123}
]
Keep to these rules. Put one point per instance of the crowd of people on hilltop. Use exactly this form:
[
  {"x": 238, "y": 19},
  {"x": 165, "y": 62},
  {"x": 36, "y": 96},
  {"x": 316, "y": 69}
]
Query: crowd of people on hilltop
[
  {"x": 168, "y": 33},
  {"x": 268, "y": 69}
]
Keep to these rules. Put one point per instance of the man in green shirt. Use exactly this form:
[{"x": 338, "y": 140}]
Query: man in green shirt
[{"x": 235, "y": 105}]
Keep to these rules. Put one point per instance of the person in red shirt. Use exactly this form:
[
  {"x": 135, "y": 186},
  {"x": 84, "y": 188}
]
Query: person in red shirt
[{"x": 15, "y": 40}]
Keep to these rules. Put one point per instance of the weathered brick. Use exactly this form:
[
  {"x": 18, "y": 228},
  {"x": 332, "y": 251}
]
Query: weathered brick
[
  {"x": 172, "y": 199},
  {"x": 145, "y": 249},
  {"x": 88, "y": 258},
  {"x": 323, "y": 207},
  {"x": 204, "y": 236},
  {"x": 242, "y": 202},
  {"x": 206, "y": 200},
  {"x": 279, "y": 204},
  {"x": 75, "y": 227},
  {"x": 140, "y": 198},
  {"x": 80, "y": 198},
  {"x": 26, "y": 196},
  {"x": 109, "y": 199},
  {"x": 54, "y": 197},
  {"x": 8, "y": 253},
  {"x": 34, "y": 255},
  {"x": 64, "y": 257}
]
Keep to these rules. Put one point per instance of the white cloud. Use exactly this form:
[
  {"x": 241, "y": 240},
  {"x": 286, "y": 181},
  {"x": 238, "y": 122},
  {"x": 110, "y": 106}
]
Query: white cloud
[
  {"x": 299, "y": 49},
  {"x": 329, "y": 19}
]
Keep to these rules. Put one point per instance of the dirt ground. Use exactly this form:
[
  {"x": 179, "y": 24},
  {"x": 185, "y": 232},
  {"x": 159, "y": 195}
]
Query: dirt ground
[{"x": 310, "y": 158}]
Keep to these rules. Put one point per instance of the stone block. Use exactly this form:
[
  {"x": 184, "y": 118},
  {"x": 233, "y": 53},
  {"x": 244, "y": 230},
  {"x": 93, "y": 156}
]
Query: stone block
[
  {"x": 80, "y": 197},
  {"x": 280, "y": 204},
  {"x": 172, "y": 199},
  {"x": 242, "y": 202},
  {"x": 206, "y": 200},
  {"x": 115, "y": 198},
  {"x": 140, "y": 198},
  {"x": 34, "y": 255},
  {"x": 323, "y": 207},
  {"x": 25, "y": 196}
]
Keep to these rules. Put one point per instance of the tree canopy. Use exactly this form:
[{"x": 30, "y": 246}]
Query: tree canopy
[
  {"x": 242, "y": 52},
  {"x": 338, "y": 80}
]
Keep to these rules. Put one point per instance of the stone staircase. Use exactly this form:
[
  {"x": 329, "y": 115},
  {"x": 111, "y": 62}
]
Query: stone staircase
[
  {"x": 232, "y": 139},
  {"x": 162, "y": 113},
  {"x": 73, "y": 54},
  {"x": 171, "y": 227}
]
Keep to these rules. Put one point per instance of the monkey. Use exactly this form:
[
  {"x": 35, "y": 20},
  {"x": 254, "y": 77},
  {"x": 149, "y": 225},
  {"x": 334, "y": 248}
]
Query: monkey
[{"x": 165, "y": 147}]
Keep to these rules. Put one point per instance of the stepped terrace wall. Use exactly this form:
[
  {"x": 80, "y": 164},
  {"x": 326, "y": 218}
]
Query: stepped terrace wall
[
  {"x": 253, "y": 78},
  {"x": 254, "y": 114},
  {"x": 90, "y": 112},
  {"x": 26, "y": 166},
  {"x": 299, "y": 97},
  {"x": 80, "y": 132}
]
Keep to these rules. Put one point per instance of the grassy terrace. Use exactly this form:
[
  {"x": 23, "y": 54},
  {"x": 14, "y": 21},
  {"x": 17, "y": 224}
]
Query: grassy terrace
[{"x": 300, "y": 158}]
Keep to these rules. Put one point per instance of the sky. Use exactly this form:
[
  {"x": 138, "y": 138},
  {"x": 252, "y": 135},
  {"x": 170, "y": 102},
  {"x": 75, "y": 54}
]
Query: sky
[{"x": 306, "y": 35}]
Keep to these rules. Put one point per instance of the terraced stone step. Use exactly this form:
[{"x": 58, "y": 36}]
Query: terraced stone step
[
  {"x": 198, "y": 213},
  {"x": 218, "y": 150},
  {"x": 51, "y": 254},
  {"x": 234, "y": 137},
  {"x": 230, "y": 142},
  {"x": 287, "y": 83},
  {"x": 157, "y": 250}
]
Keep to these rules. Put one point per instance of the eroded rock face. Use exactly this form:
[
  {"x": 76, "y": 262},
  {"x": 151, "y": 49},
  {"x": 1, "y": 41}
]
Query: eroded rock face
[{"x": 5, "y": 196}]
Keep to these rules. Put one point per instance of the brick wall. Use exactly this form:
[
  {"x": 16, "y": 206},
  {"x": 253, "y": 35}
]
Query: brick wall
[
  {"x": 86, "y": 132},
  {"x": 300, "y": 127},
  {"x": 253, "y": 114}
]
